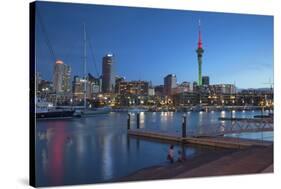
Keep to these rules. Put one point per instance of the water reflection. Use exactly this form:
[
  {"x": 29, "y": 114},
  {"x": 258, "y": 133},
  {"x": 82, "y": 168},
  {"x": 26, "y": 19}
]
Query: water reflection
[
  {"x": 142, "y": 119},
  {"x": 44, "y": 160},
  {"x": 97, "y": 149},
  {"x": 107, "y": 157},
  {"x": 56, "y": 154}
]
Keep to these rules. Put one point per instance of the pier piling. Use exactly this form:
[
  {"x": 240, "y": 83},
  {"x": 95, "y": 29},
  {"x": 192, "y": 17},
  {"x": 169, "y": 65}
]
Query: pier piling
[
  {"x": 128, "y": 122},
  {"x": 184, "y": 126},
  {"x": 138, "y": 120}
]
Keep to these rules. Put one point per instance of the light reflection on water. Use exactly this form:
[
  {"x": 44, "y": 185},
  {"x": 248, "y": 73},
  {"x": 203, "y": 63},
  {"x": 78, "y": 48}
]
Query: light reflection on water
[{"x": 97, "y": 149}]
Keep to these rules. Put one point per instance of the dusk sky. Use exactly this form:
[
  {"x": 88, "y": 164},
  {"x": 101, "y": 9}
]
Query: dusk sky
[{"x": 150, "y": 43}]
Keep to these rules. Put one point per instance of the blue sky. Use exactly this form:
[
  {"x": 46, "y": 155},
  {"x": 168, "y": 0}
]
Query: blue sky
[{"x": 150, "y": 43}]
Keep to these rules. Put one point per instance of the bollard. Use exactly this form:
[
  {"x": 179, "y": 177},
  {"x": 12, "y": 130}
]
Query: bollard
[
  {"x": 184, "y": 126},
  {"x": 128, "y": 121},
  {"x": 138, "y": 120}
]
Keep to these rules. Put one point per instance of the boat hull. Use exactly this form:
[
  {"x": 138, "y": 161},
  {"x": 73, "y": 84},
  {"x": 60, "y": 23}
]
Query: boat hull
[{"x": 55, "y": 114}]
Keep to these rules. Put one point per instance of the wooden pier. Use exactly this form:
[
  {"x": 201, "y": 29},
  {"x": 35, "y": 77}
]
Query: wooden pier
[
  {"x": 264, "y": 119},
  {"x": 223, "y": 142}
]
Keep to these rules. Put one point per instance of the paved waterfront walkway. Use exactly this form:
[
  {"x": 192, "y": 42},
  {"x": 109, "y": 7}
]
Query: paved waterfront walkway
[
  {"x": 216, "y": 163},
  {"x": 250, "y": 161}
]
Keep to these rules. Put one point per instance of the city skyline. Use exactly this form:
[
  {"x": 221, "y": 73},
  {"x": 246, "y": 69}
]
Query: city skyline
[{"x": 139, "y": 40}]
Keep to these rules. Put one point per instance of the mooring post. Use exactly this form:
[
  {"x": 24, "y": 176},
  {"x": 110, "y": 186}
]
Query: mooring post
[
  {"x": 184, "y": 126},
  {"x": 138, "y": 120},
  {"x": 128, "y": 122}
]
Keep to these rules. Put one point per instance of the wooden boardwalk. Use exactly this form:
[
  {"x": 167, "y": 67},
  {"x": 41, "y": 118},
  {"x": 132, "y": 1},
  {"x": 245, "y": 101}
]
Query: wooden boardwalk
[{"x": 223, "y": 142}]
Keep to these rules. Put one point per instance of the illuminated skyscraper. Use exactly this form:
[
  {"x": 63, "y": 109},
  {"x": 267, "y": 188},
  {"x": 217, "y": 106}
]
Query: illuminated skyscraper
[
  {"x": 199, "y": 57},
  {"x": 61, "y": 77},
  {"x": 108, "y": 77}
]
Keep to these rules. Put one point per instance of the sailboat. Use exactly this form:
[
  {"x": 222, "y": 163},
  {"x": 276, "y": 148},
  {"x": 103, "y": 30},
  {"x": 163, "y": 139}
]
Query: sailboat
[{"x": 90, "y": 111}]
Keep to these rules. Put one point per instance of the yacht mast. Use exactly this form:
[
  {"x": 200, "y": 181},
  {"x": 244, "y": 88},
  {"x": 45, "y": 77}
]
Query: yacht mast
[{"x": 84, "y": 60}]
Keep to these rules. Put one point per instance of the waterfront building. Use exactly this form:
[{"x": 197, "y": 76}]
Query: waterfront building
[
  {"x": 257, "y": 98},
  {"x": 194, "y": 86},
  {"x": 222, "y": 89},
  {"x": 205, "y": 80},
  {"x": 118, "y": 80},
  {"x": 264, "y": 91},
  {"x": 93, "y": 86},
  {"x": 199, "y": 52},
  {"x": 183, "y": 87},
  {"x": 108, "y": 77},
  {"x": 159, "y": 90},
  {"x": 45, "y": 86},
  {"x": 133, "y": 87},
  {"x": 78, "y": 87},
  {"x": 151, "y": 91},
  {"x": 185, "y": 99},
  {"x": 170, "y": 83},
  {"x": 61, "y": 78}
]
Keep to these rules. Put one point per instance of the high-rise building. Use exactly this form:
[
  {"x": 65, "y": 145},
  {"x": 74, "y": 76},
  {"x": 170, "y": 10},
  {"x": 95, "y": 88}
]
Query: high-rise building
[
  {"x": 170, "y": 83},
  {"x": 61, "y": 77},
  {"x": 108, "y": 77},
  {"x": 199, "y": 52},
  {"x": 205, "y": 80}
]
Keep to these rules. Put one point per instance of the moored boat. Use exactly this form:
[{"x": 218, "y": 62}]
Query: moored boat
[
  {"x": 55, "y": 114},
  {"x": 46, "y": 110}
]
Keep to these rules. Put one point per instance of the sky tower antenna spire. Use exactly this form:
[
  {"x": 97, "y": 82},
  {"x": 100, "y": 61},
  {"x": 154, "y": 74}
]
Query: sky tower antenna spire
[{"x": 200, "y": 37}]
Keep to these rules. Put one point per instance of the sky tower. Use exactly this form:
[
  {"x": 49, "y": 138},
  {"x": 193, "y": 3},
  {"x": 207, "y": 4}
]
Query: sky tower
[{"x": 199, "y": 52}]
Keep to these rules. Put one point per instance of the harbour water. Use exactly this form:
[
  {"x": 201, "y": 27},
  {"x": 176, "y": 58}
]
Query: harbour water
[{"x": 97, "y": 149}]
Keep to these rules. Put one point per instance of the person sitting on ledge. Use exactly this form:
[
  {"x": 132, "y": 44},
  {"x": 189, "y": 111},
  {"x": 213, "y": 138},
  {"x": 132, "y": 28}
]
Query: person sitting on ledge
[{"x": 170, "y": 156}]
